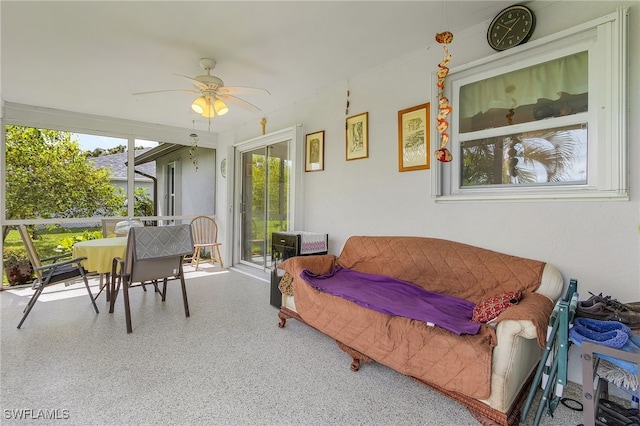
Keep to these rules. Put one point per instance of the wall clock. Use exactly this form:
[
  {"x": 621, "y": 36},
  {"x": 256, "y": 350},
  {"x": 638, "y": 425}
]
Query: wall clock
[
  {"x": 511, "y": 27},
  {"x": 223, "y": 167}
]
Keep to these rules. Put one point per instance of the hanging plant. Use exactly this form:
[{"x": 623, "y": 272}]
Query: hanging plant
[{"x": 193, "y": 151}]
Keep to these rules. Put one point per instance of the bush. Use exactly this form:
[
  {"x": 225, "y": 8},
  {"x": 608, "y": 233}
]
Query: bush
[
  {"x": 67, "y": 243},
  {"x": 17, "y": 265}
]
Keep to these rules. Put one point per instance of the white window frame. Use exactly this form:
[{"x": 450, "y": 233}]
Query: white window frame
[
  {"x": 606, "y": 41},
  {"x": 171, "y": 188}
]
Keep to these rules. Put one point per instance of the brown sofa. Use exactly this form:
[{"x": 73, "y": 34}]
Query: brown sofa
[{"x": 490, "y": 371}]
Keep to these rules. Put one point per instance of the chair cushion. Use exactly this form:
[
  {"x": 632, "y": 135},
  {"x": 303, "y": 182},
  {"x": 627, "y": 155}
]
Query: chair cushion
[{"x": 62, "y": 273}]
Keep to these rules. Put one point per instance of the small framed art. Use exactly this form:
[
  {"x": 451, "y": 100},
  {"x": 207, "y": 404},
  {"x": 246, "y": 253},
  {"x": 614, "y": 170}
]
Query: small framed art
[
  {"x": 314, "y": 152},
  {"x": 358, "y": 136},
  {"x": 413, "y": 138}
]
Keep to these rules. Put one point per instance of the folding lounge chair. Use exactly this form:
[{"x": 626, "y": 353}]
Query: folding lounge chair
[{"x": 51, "y": 273}]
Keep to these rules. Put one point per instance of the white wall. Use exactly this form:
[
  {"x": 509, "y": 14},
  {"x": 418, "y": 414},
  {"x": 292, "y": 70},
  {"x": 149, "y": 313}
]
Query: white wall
[
  {"x": 596, "y": 242},
  {"x": 195, "y": 195}
]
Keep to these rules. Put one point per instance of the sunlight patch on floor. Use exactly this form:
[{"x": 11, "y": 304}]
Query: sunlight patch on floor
[{"x": 77, "y": 289}]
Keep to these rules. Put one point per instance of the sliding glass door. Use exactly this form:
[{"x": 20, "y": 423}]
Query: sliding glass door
[{"x": 265, "y": 183}]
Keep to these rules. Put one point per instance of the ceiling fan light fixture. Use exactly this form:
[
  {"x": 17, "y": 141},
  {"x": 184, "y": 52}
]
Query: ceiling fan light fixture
[
  {"x": 199, "y": 105},
  {"x": 220, "y": 107},
  {"x": 210, "y": 88},
  {"x": 209, "y": 112},
  {"x": 203, "y": 106}
]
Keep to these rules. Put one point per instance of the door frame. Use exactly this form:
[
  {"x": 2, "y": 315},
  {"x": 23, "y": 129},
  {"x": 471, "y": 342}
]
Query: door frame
[{"x": 293, "y": 134}]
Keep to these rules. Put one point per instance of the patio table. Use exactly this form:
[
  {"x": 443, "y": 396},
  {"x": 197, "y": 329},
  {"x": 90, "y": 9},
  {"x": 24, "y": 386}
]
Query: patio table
[
  {"x": 99, "y": 256},
  {"x": 100, "y": 253}
]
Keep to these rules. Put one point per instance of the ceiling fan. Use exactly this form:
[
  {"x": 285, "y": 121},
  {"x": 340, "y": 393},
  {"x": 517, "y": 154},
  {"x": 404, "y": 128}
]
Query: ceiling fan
[{"x": 213, "y": 93}]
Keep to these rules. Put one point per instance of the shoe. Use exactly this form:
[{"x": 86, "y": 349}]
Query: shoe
[
  {"x": 594, "y": 299},
  {"x": 603, "y": 418},
  {"x": 632, "y": 306},
  {"x": 607, "y": 309},
  {"x": 618, "y": 411}
]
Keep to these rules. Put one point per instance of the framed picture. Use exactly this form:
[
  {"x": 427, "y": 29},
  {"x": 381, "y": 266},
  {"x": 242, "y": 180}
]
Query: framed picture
[
  {"x": 358, "y": 136},
  {"x": 314, "y": 152},
  {"x": 413, "y": 138}
]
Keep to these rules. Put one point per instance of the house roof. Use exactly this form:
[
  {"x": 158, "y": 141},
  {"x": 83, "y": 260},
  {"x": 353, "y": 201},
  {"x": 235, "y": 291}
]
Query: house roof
[
  {"x": 151, "y": 155},
  {"x": 118, "y": 164}
]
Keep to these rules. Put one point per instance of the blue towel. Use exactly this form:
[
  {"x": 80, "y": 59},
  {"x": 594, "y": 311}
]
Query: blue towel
[{"x": 613, "y": 334}]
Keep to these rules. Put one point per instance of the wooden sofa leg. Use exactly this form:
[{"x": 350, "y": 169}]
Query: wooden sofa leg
[
  {"x": 283, "y": 319},
  {"x": 482, "y": 419},
  {"x": 357, "y": 357},
  {"x": 355, "y": 365},
  {"x": 285, "y": 313}
]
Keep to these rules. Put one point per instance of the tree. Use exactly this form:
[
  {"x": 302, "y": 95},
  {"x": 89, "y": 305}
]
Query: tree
[
  {"x": 48, "y": 176},
  {"x": 553, "y": 152},
  {"x": 274, "y": 172},
  {"x": 143, "y": 203},
  {"x": 99, "y": 152}
]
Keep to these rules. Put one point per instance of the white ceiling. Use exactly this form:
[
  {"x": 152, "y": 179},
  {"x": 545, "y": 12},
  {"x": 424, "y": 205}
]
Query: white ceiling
[{"x": 90, "y": 56}]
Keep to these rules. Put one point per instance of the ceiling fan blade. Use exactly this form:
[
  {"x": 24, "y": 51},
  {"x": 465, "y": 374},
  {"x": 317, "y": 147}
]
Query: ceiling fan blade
[
  {"x": 169, "y": 90},
  {"x": 195, "y": 82},
  {"x": 239, "y": 90},
  {"x": 239, "y": 102}
]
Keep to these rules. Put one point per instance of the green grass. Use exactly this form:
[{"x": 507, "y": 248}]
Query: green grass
[{"x": 46, "y": 241}]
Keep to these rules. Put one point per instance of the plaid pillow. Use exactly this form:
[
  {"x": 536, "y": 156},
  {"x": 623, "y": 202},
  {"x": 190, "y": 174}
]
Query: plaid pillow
[{"x": 493, "y": 306}]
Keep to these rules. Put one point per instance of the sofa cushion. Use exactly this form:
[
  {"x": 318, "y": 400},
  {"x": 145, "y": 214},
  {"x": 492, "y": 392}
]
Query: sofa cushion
[{"x": 491, "y": 307}]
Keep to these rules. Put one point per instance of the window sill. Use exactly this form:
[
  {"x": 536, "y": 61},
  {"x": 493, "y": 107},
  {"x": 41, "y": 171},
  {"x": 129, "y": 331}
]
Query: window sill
[{"x": 534, "y": 195}]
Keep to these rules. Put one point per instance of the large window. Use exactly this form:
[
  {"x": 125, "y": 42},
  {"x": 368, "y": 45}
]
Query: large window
[{"x": 546, "y": 120}]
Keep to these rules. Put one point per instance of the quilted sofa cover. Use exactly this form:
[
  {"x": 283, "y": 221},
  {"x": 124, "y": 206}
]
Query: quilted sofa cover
[{"x": 491, "y": 366}]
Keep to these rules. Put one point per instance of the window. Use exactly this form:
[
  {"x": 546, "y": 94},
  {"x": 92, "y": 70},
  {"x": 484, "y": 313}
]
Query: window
[
  {"x": 543, "y": 121},
  {"x": 171, "y": 190}
]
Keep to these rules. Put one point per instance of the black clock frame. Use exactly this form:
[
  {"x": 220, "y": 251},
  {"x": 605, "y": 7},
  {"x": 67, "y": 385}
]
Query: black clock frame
[{"x": 494, "y": 22}]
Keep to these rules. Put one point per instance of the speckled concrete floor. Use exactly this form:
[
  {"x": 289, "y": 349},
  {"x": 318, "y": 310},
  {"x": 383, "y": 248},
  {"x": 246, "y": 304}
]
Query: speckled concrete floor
[{"x": 228, "y": 364}]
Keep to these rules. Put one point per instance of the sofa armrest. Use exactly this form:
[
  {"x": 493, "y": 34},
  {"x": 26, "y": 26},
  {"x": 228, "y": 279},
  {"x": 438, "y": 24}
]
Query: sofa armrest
[
  {"x": 551, "y": 283},
  {"x": 521, "y": 334},
  {"x": 536, "y": 307},
  {"x": 534, "y": 310},
  {"x": 317, "y": 264},
  {"x": 514, "y": 359},
  {"x": 510, "y": 328}
]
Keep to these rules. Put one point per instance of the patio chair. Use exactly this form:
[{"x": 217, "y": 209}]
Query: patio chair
[
  {"x": 109, "y": 226},
  {"x": 109, "y": 231},
  {"x": 153, "y": 253},
  {"x": 205, "y": 234},
  {"x": 51, "y": 273}
]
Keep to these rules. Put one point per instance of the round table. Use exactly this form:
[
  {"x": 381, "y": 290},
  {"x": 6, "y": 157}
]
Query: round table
[{"x": 100, "y": 253}]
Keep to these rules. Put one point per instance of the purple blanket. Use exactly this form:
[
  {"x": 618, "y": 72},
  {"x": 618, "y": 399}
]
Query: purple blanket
[{"x": 396, "y": 297}]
